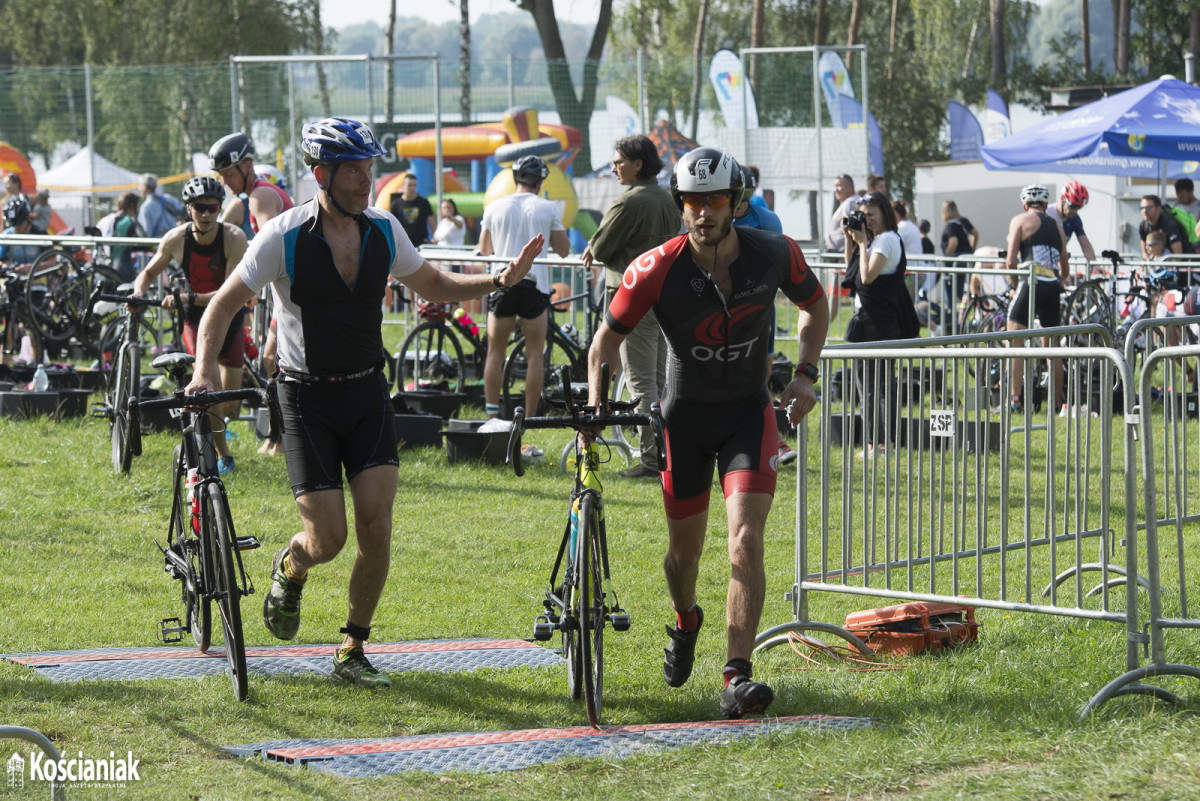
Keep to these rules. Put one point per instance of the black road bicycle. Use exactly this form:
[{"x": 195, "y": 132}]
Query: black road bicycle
[
  {"x": 580, "y": 600},
  {"x": 203, "y": 550}
]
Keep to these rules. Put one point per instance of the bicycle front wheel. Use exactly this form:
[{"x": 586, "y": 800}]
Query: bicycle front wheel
[
  {"x": 123, "y": 382},
  {"x": 228, "y": 589},
  {"x": 590, "y": 607},
  {"x": 197, "y": 609},
  {"x": 430, "y": 356}
]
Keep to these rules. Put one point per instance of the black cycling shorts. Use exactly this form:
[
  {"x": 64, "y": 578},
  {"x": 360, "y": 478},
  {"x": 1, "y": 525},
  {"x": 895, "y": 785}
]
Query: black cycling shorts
[
  {"x": 739, "y": 438},
  {"x": 328, "y": 427},
  {"x": 1048, "y": 303},
  {"x": 524, "y": 300}
]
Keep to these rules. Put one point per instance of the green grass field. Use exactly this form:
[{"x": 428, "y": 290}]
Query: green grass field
[{"x": 472, "y": 548}]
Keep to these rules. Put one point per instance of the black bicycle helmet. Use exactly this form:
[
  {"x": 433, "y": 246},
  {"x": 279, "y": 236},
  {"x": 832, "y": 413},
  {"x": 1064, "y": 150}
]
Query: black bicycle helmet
[
  {"x": 16, "y": 210},
  {"x": 202, "y": 186},
  {"x": 229, "y": 150},
  {"x": 530, "y": 170},
  {"x": 705, "y": 170}
]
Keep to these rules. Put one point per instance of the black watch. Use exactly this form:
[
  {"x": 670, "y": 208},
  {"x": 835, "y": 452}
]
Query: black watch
[
  {"x": 496, "y": 281},
  {"x": 809, "y": 369}
]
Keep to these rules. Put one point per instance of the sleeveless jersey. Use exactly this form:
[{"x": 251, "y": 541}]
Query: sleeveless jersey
[
  {"x": 1044, "y": 248},
  {"x": 204, "y": 266},
  {"x": 250, "y": 225}
]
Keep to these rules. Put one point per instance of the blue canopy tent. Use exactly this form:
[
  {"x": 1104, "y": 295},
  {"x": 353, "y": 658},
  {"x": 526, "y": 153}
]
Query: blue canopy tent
[{"x": 1125, "y": 134}]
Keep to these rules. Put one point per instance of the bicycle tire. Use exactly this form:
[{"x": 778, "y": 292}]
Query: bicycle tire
[
  {"x": 125, "y": 380},
  {"x": 197, "y": 608},
  {"x": 430, "y": 354},
  {"x": 56, "y": 296},
  {"x": 590, "y": 607},
  {"x": 559, "y": 352},
  {"x": 227, "y": 587},
  {"x": 629, "y": 436},
  {"x": 1089, "y": 303}
]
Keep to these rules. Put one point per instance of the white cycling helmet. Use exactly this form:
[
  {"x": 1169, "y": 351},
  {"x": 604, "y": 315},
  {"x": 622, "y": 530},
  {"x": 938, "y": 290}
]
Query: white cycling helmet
[
  {"x": 704, "y": 170},
  {"x": 1035, "y": 193}
]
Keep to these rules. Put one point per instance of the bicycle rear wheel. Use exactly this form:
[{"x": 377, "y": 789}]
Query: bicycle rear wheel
[
  {"x": 123, "y": 385},
  {"x": 197, "y": 609},
  {"x": 590, "y": 607},
  {"x": 1090, "y": 303},
  {"x": 56, "y": 296},
  {"x": 429, "y": 357},
  {"x": 559, "y": 352},
  {"x": 227, "y": 588}
]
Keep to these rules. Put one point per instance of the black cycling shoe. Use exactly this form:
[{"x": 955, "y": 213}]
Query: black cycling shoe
[
  {"x": 744, "y": 696},
  {"x": 680, "y": 653}
]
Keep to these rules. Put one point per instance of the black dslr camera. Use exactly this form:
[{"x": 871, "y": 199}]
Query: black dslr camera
[{"x": 855, "y": 220}]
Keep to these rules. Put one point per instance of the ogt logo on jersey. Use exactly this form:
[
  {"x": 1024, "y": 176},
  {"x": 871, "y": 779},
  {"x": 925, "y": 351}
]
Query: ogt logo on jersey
[
  {"x": 712, "y": 336},
  {"x": 642, "y": 264}
]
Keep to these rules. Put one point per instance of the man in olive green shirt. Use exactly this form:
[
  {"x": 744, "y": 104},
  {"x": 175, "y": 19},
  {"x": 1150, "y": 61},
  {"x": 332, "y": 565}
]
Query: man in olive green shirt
[{"x": 643, "y": 217}]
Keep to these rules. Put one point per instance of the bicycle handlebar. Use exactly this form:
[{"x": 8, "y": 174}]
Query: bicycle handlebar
[
  {"x": 126, "y": 299},
  {"x": 585, "y": 418},
  {"x": 203, "y": 400}
]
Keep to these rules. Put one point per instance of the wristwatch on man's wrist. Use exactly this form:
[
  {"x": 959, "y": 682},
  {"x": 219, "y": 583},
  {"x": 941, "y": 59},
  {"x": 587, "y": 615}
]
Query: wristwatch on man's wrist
[
  {"x": 496, "y": 281},
  {"x": 809, "y": 369}
]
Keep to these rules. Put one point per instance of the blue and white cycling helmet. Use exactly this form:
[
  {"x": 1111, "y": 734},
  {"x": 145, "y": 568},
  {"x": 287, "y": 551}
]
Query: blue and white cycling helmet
[{"x": 337, "y": 139}]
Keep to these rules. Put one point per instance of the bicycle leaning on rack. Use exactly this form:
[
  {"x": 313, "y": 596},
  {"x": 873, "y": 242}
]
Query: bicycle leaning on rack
[
  {"x": 203, "y": 551},
  {"x": 580, "y": 600}
]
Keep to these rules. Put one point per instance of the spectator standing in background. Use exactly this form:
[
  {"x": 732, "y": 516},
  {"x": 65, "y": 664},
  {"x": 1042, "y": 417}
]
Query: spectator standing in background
[
  {"x": 1155, "y": 219},
  {"x": 451, "y": 227},
  {"x": 1185, "y": 197},
  {"x": 41, "y": 209},
  {"x": 413, "y": 211},
  {"x": 639, "y": 220},
  {"x": 959, "y": 238},
  {"x": 159, "y": 212},
  {"x": 126, "y": 225}
]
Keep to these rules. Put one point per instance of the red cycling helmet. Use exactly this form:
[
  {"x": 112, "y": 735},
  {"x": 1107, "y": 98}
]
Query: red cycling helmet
[
  {"x": 1074, "y": 193},
  {"x": 434, "y": 312}
]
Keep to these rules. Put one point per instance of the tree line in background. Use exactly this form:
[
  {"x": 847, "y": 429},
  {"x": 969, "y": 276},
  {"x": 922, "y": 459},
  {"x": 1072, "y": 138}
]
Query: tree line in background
[{"x": 922, "y": 53}]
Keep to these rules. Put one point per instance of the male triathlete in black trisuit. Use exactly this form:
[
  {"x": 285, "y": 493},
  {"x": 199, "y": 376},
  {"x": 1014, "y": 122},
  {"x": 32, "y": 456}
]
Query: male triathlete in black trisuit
[
  {"x": 713, "y": 290},
  {"x": 328, "y": 262},
  {"x": 1034, "y": 236}
]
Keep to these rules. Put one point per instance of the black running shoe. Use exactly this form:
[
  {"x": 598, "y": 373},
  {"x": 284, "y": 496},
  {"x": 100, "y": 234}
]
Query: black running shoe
[
  {"x": 680, "y": 653},
  {"x": 744, "y": 696}
]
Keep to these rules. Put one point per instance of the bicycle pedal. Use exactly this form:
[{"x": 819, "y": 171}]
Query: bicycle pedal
[
  {"x": 248, "y": 543},
  {"x": 171, "y": 629},
  {"x": 101, "y": 410},
  {"x": 620, "y": 620},
  {"x": 543, "y": 629}
]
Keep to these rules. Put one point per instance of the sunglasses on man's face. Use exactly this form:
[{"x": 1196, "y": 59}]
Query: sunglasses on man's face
[
  {"x": 715, "y": 201},
  {"x": 206, "y": 208}
]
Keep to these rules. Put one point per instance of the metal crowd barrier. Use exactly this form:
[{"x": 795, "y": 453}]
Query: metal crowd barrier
[{"x": 970, "y": 502}]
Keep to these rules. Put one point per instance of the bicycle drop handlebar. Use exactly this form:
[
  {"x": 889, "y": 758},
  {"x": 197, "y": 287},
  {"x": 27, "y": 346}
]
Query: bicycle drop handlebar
[
  {"x": 269, "y": 396},
  {"x": 584, "y": 418}
]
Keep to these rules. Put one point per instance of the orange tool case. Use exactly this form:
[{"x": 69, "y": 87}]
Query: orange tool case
[{"x": 912, "y": 628}]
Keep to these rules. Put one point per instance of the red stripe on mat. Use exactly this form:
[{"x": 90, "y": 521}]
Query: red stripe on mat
[
  {"x": 525, "y": 736},
  {"x": 276, "y": 651}
]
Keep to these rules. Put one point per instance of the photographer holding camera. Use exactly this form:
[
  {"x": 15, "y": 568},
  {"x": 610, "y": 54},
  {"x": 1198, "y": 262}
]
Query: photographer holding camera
[{"x": 883, "y": 309}]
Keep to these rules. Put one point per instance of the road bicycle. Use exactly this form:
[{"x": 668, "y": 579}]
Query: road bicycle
[
  {"x": 579, "y": 599},
  {"x": 57, "y": 289},
  {"x": 124, "y": 379},
  {"x": 432, "y": 355},
  {"x": 203, "y": 551}
]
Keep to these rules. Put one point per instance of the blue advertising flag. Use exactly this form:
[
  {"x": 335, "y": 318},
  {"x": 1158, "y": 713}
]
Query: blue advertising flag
[
  {"x": 966, "y": 134},
  {"x": 997, "y": 125},
  {"x": 851, "y": 116}
]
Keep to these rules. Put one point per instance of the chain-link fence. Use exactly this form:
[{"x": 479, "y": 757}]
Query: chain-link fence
[{"x": 157, "y": 119}]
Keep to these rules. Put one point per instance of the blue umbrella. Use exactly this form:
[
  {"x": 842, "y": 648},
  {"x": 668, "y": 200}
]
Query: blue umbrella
[{"x": 1125, "y": 134}]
